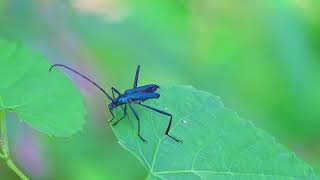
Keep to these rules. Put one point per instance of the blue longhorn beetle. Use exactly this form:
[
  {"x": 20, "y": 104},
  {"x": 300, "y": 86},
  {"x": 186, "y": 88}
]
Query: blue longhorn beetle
[{"x": 136, "y": 95}]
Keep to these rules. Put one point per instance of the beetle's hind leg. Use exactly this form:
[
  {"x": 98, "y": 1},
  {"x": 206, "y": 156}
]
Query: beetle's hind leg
[
  {"x": 137, "y": 117},
  {"x": 166, "y": 114}
]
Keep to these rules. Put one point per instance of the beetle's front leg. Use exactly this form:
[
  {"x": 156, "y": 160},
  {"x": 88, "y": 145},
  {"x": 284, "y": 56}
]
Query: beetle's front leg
[
  {"x": 124, "y": 115},
  {"x": 111, "y": 115}
]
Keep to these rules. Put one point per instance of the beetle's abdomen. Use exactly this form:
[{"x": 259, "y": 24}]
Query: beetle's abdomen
[
  {"x": 151, "y": 88},
  {"x": 144, "y": 96}
]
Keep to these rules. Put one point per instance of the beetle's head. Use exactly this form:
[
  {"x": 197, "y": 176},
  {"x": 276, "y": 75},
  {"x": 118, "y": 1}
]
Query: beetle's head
[{"x": 111, "y": 106}]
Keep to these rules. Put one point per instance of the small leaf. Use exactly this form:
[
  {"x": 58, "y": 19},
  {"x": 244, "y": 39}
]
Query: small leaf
[
  {"x": 48, "y": 101},
  {"x": 217, "y": 143}
]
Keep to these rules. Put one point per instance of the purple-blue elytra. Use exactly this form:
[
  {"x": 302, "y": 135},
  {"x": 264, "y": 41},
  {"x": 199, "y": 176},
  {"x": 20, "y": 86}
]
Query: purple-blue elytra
[{"x": 136, "y": 95}]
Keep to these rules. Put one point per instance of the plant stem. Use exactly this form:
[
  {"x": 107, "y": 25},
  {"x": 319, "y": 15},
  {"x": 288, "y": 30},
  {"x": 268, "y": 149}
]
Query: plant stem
[
  {"x": 2, "y": 156},
  {"x": 15, "y": 169},
  {"x": 5, "y": 148},
  {"x": 4, "y": 138}
]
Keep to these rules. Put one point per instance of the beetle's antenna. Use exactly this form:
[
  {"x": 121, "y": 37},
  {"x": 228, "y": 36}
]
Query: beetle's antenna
[{"x": 85, "y": 77}]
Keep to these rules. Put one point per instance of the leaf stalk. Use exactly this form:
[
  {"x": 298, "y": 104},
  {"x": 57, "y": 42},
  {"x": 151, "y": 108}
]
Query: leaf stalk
[{"x": 4, "y": 144}]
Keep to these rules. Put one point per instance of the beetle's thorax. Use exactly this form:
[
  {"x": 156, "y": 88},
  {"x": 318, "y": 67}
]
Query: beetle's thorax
[{"x": 122, "y": 99}]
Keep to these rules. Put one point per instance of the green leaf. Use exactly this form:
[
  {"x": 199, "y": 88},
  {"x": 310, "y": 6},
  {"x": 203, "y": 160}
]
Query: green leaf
[
  {"x": 47, "y": 101},
  {"x": 217, "y": 143}
]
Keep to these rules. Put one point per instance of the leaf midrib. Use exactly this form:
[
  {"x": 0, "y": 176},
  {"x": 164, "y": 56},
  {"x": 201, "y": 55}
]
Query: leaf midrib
[{"x": 227, "y": 173}]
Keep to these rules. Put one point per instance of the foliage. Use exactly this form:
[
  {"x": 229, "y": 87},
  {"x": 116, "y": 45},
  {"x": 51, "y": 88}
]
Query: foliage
[
  {"x": 217, "y": 143},
  {"x": 35, "y": 95},
  {"x": 261, "y": 57}
]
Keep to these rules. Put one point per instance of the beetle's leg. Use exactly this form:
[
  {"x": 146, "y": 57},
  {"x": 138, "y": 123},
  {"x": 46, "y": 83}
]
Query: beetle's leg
[
  {"x": 137, "y": 117},
  {"x": 111, "y": 115},
  {"x": 113, "y": 94},
  {"x": 166, "y": 114},
  {"x": 135, "y": 84},
  {"x": 115, "y": 90},
  {"x": 124, "y": 115}
]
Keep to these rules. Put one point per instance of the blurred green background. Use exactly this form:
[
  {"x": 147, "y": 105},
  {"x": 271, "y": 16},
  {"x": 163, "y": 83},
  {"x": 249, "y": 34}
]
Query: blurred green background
[{"x": 261, "y": 57}]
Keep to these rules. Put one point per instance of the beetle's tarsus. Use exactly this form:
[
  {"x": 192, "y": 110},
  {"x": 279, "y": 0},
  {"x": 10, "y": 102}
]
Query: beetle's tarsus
[
  {"x": 177, "y": 140},
  {"x": 144, "y": 140},
  {"x": 114, "y": 124}
]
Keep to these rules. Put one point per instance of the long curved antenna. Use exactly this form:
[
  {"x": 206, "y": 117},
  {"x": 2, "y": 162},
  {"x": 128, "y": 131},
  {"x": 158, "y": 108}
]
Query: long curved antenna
[{"x": 85, "y": 77}]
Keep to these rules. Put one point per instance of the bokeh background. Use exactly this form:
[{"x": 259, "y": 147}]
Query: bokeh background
[{"x": 261, "y": 57}]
